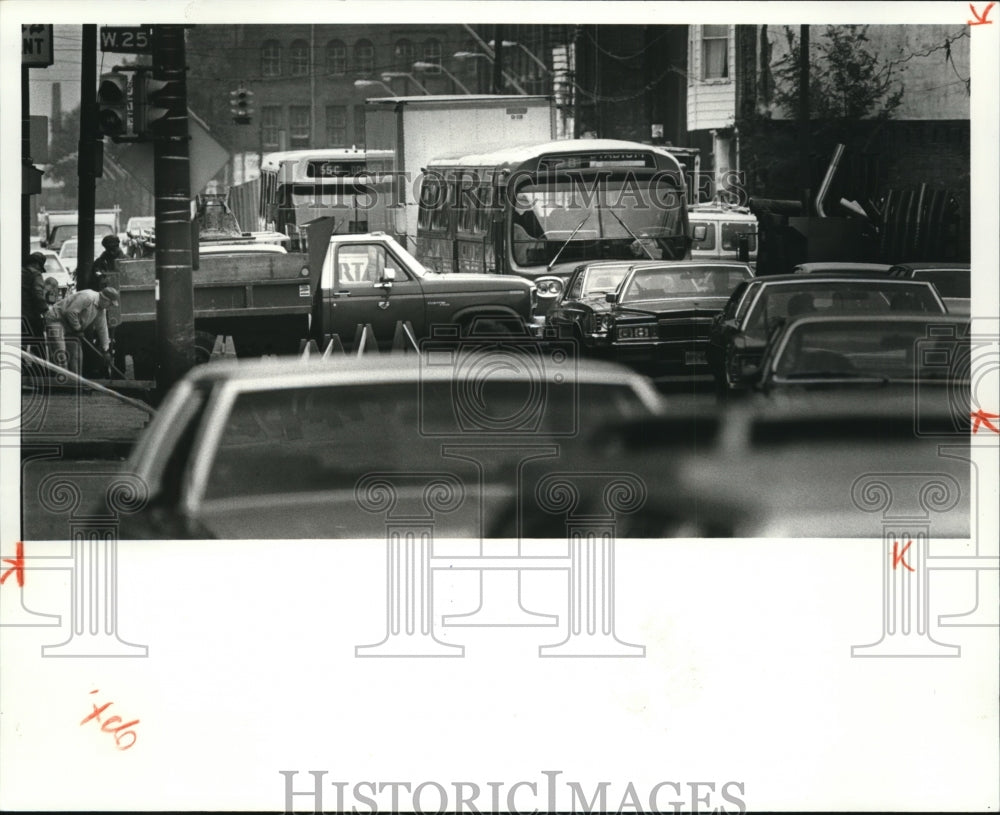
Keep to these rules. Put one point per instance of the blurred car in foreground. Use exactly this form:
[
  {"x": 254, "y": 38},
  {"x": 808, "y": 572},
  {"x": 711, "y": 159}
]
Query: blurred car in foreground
[
  {"x": 309, "y": 449},
  {"x": 952, "y": 280},
  {"x": 740, "y": 333},
  {"x": 659, "y": 317},
  {"x": 803, "y": 467},
  {"x": 849, "y": 351}
]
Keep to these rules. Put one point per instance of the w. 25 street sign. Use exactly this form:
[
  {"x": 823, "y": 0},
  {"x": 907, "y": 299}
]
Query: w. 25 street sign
[{"x": 136, "y": 39}]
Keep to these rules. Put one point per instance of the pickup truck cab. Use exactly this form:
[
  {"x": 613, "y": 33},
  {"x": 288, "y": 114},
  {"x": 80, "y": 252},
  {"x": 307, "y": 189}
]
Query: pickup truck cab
[{"x": 370, "y": 279}]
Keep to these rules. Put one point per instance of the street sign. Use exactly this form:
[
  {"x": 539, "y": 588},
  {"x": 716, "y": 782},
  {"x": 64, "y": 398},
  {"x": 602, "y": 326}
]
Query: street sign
[
  {"x": 127, "y": 39},
  {"x": 36, "y": 46}
]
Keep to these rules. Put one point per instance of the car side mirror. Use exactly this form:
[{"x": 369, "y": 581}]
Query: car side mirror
[
  {"x": 387, "y": 279},
  {"x": 700, "y": 232},
  {"x": 611, "y": 297}
]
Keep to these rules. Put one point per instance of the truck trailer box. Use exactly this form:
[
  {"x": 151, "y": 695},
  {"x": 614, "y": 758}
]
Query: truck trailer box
[{"x": 419, "y": 128}]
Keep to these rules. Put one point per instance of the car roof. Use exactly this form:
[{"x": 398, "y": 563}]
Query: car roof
[
  {"x": 390, "y": 368},
  {"x": 833, "y": 266},
  {"x": 879, "y": 319},
  {"x": 926, "y": 266},
  {"x": 832, "y": 278}
]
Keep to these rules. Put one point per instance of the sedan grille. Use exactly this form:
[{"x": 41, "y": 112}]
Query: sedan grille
[{"x": 696, "y": 328}]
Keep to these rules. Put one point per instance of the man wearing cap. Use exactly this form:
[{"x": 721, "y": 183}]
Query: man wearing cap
[
  {"x": 74, "y": 316},
  {"x": 105, "y": 263}
]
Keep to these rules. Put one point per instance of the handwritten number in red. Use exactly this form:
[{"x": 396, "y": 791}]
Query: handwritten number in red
[
  {"x": 120, "y": 732},
  {"x": 16, "y": 566}
]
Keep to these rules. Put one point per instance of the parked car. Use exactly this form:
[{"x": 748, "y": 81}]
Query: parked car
[
  {"x": 843, "y": 269},
  {"x": 658, "y": 318},
  {"x": 69, "y": 253},
  {"x": 715, "y": 231},
  {"x": 739, "y": 335},
  {"x": 285, "y": 448},
  {"x": 855, "y": 352},
  {"x": 952, "y": 280},
  {"x": 54, "y": 268}
]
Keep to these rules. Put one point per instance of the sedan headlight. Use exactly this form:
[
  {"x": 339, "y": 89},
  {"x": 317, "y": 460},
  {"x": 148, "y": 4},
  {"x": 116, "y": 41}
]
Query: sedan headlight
[{"x": 635, "y": 332}]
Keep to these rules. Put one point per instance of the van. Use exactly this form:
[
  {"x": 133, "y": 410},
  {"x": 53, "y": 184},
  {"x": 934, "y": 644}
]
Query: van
[{"x": 714, "y": 230}]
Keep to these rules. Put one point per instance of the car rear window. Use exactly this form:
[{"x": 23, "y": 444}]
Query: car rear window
[
  {"x": 948, "y": 282},
  {"x": 310, "y": 439}
]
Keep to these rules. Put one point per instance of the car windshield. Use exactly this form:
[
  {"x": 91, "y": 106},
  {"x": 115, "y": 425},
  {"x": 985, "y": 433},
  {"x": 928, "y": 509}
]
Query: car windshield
[
  {"x": 580, "y": 219},
  {"x": 311, "y": 439},
  {"x": 892, "y": 350},
  {"x": 601, "y": 281},
  {"x": 690, "y": 281},
  {"x": 777, "y": 303}
]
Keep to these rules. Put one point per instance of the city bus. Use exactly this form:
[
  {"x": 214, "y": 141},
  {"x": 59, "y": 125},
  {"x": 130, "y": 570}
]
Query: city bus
[
  {"x": 298, "y": 186},
  {"x": 538, "y": 211}
]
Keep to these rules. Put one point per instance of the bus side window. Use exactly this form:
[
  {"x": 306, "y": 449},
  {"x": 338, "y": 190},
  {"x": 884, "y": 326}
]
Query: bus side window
[{"x": 432, "y": 195}]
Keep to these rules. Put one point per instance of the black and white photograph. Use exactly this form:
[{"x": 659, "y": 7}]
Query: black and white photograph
[{"x": 500, "y": 406}]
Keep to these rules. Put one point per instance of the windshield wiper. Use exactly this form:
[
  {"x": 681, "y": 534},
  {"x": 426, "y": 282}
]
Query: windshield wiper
[
  {"x": 630, "y": 232},
  {"x": 579, "y": 226}
]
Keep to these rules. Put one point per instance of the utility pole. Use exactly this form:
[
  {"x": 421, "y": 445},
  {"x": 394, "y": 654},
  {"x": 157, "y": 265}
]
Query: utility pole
[
  {"x": 172, "y": 183},
  {"x": 804, "y": 167},
  {"x": 498, "y": 59},
  {"x": 87, "y": 158}
]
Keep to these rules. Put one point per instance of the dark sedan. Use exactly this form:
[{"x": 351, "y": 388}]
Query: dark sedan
[
  {"x": 657, "y": 320},
  {"x": 952, "y": 280},
  {"x": 740, "y": 333},
  {"x": 925, "y": 352}
]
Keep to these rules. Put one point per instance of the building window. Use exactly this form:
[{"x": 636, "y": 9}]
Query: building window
[
  {"x": 270, "y": 126},
  {"x": 270, "y": 58},
  {"x": 336, "y": 126},
  {"x": 364, "y": 57},
  {"x": 298, "y": 58},
  {"x": 336, "y": 58},
  {"x": 714, "y": 51},
  {"x": 299, "y": 135},
  {"x": 432, "y": 53},
  {"x": 359, "y": 125},
  {"x": 402, "y": 56}
]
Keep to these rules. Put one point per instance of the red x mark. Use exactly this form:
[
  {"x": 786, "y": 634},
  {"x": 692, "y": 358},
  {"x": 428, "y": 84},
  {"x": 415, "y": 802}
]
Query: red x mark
[
  {"x": 981, "y": 19},
  {"x": 981, "y": 417},
  {"x": 16, "y": 565}
]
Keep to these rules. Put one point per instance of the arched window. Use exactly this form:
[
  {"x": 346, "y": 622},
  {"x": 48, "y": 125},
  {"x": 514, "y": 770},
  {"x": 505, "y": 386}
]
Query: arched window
[
  {"x": 364, "y": 57},
  {"x": 270, "y": 58},
  {"x": 298, "y": 58},
  {"x": 402, "y": 56},
  {"x": 336, "y": 58},
  {"x": 432, "y": 53}
]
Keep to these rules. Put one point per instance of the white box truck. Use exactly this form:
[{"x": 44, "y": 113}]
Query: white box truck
[{"x": 419, "y": 128}]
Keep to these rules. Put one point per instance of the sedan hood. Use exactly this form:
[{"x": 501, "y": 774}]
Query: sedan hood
[
  {"x": 465, "y": 282},
  {"x": 674, "y": 306}
]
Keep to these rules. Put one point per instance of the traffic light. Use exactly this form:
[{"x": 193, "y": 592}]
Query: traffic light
[
  {"x": 241, "y": 105},
  {"x": 113, "y": 106},
  {"x": 152, "y": 104}
]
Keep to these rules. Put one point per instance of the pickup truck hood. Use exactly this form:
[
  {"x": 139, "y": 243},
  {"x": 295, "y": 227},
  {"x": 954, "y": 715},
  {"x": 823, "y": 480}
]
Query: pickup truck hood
[{"x": 459, "y": 283}]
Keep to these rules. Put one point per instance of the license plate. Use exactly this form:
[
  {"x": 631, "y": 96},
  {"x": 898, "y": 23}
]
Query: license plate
[{"x": 695, "y": 358}]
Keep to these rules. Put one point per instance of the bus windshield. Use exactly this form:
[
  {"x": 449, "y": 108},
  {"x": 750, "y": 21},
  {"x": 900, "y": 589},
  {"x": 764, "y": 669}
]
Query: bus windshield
[{"x": 606, "y": 217}]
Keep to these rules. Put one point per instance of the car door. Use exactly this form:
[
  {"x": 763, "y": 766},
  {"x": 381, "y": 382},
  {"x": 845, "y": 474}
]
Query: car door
[{"x": 356, "y": 292}]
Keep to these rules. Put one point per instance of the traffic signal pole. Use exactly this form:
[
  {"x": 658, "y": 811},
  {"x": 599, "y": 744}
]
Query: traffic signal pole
[
  {"x": 87, "y": 158},
  {"x": 172, "y": 183}
]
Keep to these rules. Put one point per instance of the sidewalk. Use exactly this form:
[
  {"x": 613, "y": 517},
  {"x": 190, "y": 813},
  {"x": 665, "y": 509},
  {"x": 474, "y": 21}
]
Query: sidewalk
[{"x": 84, "y": 422}]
